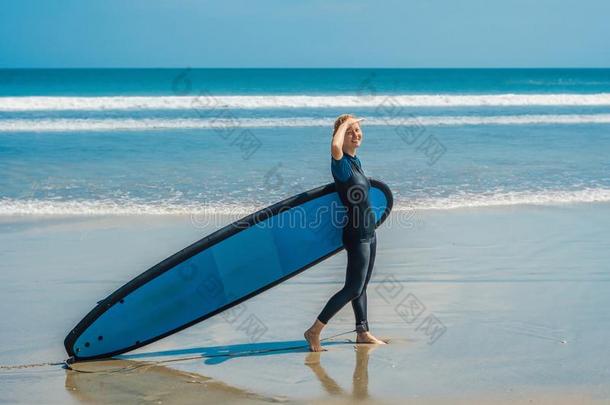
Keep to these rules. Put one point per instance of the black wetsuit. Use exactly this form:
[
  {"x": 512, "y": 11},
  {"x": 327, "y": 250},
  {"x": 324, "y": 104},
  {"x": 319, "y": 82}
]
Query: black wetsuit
[{"x": 360, "y": 242}]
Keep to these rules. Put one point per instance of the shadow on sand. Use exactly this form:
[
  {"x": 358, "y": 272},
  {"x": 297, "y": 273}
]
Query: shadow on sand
[{"x": 219, "y": 354}]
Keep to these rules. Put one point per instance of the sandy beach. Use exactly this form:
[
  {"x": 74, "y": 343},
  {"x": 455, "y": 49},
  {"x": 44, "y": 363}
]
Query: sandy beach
[{"x": 502, "y": 304}]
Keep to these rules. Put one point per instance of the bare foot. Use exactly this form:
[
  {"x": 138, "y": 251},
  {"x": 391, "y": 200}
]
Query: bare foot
[
  {"x": 313, "y": 339},
  {"x": 366, "y": 337},
  {"x": 312, "y": 335}
]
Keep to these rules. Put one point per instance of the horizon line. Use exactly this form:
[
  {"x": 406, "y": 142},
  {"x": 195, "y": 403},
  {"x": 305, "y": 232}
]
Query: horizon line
[{"x": 299, "y": 68}]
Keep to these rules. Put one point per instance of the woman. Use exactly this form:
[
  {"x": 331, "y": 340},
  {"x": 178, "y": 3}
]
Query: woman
[{"x": 359, "y": 237}]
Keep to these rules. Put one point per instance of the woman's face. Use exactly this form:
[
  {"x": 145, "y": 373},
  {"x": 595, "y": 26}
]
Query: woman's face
[{"x": 353, "y": 135}]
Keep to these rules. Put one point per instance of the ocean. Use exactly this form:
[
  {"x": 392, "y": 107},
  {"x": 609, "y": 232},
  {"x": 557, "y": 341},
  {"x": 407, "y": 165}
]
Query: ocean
[{"x": 165, "y": 141}]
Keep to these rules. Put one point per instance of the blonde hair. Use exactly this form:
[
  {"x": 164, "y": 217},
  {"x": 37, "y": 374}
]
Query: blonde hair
[{"x": 340, "y": 120}]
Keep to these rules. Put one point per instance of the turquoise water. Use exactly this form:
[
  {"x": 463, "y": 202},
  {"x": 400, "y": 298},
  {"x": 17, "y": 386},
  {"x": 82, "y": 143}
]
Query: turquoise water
[
  {"x": 165, "y": 141},
  {"x": 108, "y": 82}
]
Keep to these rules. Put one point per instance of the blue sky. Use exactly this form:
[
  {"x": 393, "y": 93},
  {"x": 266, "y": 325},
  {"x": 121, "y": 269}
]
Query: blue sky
[{"x": 316, "y": 33}]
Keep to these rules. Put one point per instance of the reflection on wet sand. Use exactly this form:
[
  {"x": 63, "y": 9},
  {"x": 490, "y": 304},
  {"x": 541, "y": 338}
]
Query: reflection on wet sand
[
  {"x": 130, "y": 378},
  {"x": 126, "y": 381},
  {"x": 360, "y": 379}
]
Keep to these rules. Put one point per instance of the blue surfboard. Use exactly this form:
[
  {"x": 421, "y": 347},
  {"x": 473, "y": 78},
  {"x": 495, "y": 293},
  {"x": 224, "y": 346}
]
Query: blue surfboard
[{"x": 219, "y": 271}]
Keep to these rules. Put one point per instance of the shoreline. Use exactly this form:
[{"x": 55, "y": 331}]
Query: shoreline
[{"x": 117, "y": 209}]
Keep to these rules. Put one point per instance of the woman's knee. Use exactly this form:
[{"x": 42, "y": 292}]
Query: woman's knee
[{"x": 354, "y": 292}]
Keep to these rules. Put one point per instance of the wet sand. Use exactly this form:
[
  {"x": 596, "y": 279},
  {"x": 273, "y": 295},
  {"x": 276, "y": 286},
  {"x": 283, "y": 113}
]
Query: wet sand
[
  {"x": 499, "y": 304},
  {"x": 124, "y": 381}
]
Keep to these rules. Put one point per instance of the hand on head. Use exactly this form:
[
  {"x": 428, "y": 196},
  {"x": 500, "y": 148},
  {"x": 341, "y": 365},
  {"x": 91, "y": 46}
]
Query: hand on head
[{"x": 351, "y": 121}]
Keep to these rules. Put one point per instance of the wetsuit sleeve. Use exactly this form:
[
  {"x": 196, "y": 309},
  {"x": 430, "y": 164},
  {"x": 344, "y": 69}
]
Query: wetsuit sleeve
[{"x": 341, "y": 169}]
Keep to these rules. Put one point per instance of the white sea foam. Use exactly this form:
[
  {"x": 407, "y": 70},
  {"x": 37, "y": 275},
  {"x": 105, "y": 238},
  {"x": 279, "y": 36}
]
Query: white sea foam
[
  {"x": 512, "y": 198},
  {"x": 128, "y": 124},
  {"x": 206, "y": 102},
  {"x": 119, "y": 207},
  {"x": 14, "y": 207}
]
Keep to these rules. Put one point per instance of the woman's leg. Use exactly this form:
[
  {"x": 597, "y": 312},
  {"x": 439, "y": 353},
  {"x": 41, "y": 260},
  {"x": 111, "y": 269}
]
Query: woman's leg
[
  {"x": 359, "y": 303},
  {"x": 358, "y": 255}
]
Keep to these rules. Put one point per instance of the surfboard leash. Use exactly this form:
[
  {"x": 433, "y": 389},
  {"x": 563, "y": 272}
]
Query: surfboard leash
[{"x": 32, "y": 365}]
